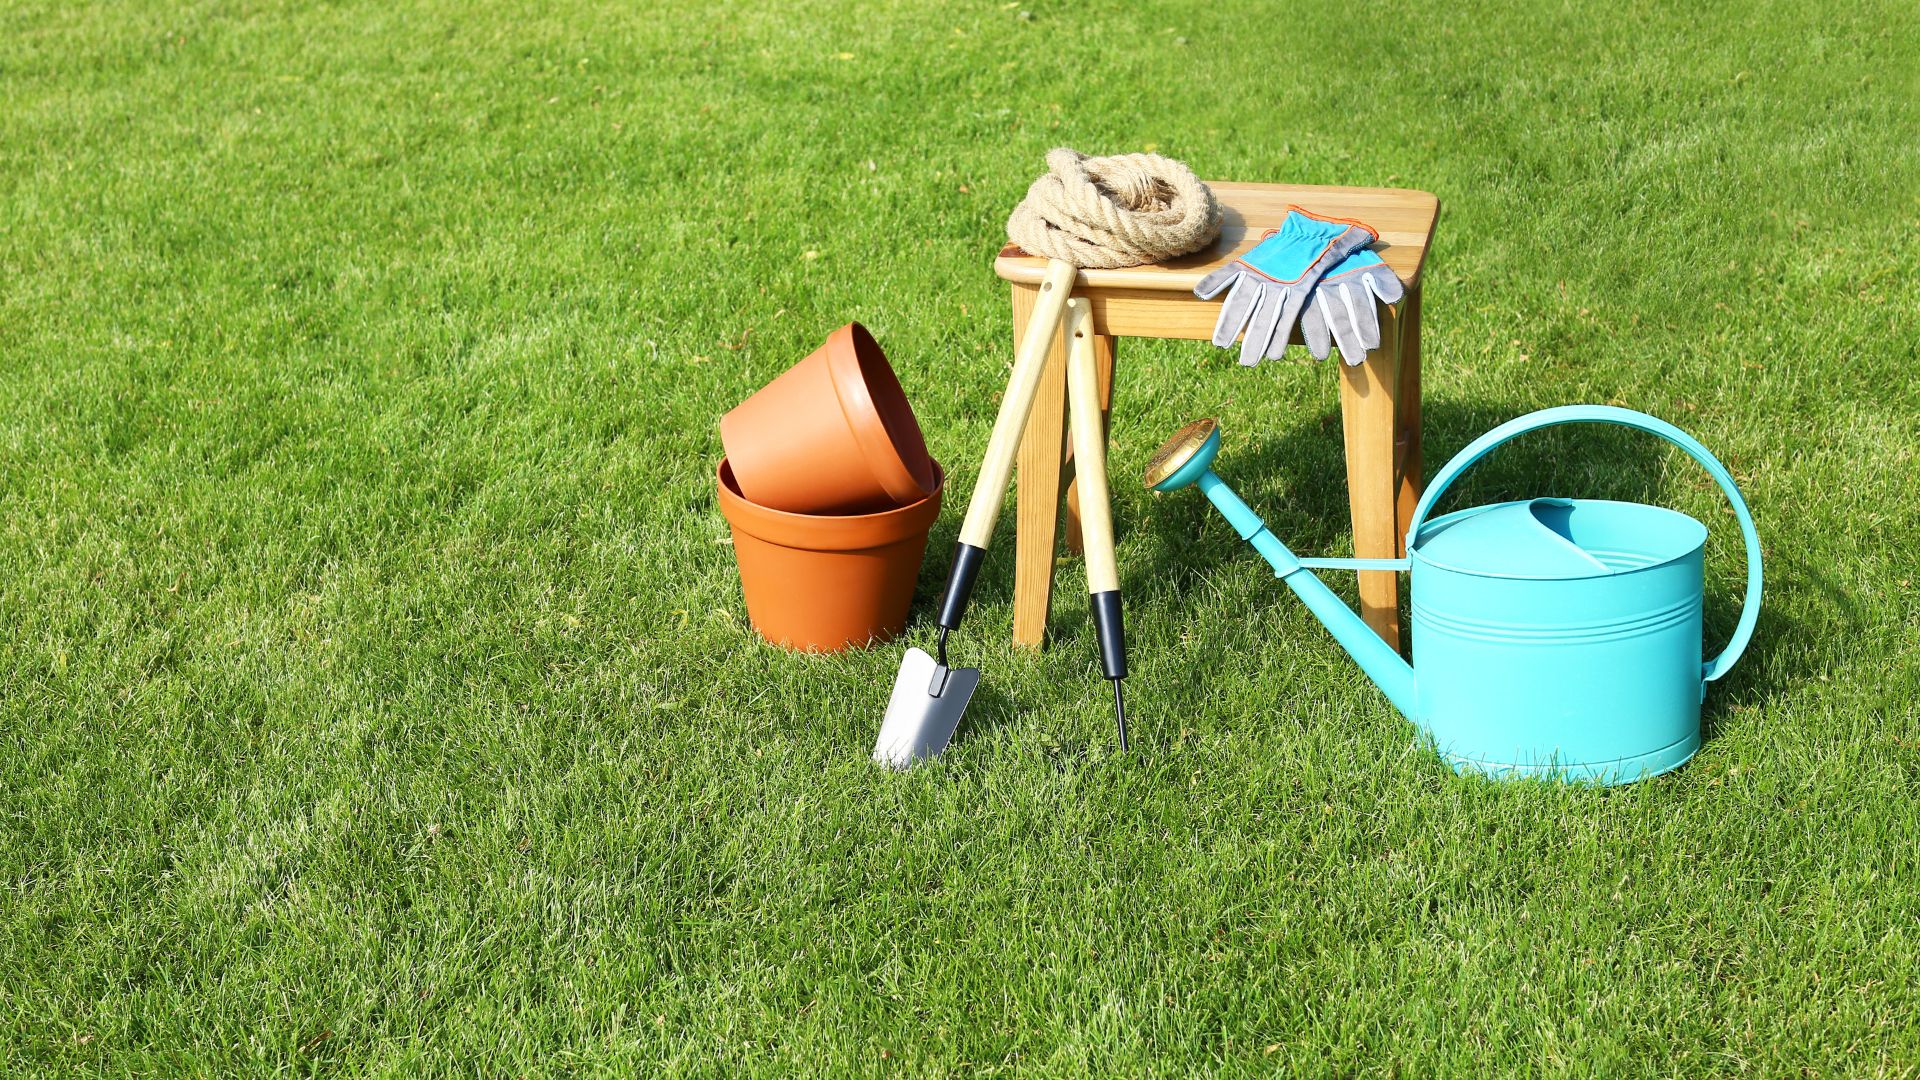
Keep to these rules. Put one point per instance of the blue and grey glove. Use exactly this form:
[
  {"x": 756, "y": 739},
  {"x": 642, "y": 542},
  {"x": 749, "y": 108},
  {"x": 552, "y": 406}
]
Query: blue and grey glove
[
  {"x": 1271, "y": 282},
  {"x": 1343, "y": 307}
]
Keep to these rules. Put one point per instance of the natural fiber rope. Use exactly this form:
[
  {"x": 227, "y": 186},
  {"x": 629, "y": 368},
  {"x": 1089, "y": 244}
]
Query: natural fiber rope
[{"x": 1123, "y": 210}]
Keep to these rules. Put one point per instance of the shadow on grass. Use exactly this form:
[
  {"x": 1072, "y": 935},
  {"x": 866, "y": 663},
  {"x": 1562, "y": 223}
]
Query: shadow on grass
[
  {"x": 1808, "y": 623},
  {"x": 989, "y": 709}
]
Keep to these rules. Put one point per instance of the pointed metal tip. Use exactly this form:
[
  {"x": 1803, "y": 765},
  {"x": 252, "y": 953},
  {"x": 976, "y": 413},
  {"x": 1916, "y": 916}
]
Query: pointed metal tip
[{"x": 1119, "y": 714}]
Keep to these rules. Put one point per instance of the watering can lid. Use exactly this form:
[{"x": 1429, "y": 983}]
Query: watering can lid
[{"x": 1518, "y": 539}]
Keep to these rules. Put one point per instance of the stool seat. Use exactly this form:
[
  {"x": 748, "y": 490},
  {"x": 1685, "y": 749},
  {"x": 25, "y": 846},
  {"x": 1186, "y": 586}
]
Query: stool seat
[
  {"x": 1379, "y": 400},
  {"x": 1403, "y": 217}
]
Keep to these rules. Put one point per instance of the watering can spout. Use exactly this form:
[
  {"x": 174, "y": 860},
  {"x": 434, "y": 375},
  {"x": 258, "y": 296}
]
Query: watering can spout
[
  {"x": 1380, "y": 661},
  {"x": 1187, "y": 459}
]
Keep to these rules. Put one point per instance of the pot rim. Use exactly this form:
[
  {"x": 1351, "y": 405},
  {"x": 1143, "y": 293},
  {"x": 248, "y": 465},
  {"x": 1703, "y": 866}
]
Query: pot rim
[
  {"x": 827, "y": 532},
  {"x": 877, "y": 410}
]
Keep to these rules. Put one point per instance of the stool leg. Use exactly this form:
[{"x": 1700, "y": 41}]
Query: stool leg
[
  {"x": 1040, "y": 471},
  {"x": 1406, "y": 440},
  {"x": 1103, "y": 355},
  {"x": 1368, "y": 408}
]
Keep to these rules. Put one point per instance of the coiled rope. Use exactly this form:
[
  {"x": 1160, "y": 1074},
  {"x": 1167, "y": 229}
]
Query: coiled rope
[{"x": 1123, "y": 210}]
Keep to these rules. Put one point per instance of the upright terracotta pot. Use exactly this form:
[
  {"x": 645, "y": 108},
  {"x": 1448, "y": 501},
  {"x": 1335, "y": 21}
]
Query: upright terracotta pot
[
  {"x": 832, "y": 435},
  {"x": 825, "y": 582}
]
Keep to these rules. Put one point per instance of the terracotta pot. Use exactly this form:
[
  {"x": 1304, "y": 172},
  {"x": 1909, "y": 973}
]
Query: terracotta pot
[
  {"x": 824, "y": 582},
  {"x": 832, "y": 435}
]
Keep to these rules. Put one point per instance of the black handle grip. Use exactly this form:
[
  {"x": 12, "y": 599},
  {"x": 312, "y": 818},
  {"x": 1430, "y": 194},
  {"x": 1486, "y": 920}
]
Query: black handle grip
[
  {"x": 960, "y": 575},
  {"x": 1112, "y": 634}
]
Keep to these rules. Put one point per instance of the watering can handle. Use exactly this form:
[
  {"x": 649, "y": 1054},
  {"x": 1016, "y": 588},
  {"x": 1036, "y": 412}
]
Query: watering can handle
[{"x": 1609, "y": 414}]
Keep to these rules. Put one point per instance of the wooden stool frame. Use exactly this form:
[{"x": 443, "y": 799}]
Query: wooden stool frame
[{"x": 1379, "y": 400}]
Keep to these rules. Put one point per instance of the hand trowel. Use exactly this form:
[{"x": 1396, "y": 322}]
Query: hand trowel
[{"x": 929, "y": 694}]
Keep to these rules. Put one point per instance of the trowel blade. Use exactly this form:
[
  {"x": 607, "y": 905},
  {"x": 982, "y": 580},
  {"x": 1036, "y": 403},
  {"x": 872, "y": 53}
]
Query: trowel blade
[{"x": 919, "y": 723}]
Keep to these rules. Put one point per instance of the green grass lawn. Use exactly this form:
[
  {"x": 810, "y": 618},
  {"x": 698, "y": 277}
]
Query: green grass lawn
[{"x": 375, "y": 689}]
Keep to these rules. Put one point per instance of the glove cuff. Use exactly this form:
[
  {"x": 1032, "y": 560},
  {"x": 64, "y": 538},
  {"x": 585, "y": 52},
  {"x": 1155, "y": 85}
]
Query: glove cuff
[
  {"x": 1305, "y": 246},
  {"x": 1335, "y": 224}
]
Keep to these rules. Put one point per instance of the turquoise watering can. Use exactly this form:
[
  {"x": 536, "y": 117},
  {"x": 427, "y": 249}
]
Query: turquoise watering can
[{"x": 1551, "y": 637}]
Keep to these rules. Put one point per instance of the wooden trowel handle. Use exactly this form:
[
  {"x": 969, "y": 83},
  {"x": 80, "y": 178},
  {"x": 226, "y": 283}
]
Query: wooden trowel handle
[{"x": 990, "y": 490}]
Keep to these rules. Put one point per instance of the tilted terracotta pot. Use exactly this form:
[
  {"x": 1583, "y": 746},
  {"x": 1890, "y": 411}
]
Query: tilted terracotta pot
[
  {"x": 832, "y": 435},
  {"x": 826, "y": 582}
]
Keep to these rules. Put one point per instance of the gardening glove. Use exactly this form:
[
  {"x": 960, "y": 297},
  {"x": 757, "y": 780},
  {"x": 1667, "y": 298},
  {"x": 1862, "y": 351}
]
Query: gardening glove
[
  {"x": 1271, "y": 282},
  {"x": 1342, "y": 307}
]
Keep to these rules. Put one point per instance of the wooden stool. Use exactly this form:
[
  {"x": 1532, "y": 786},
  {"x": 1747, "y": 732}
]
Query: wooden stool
[{"x": 1379, "y": 400}]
